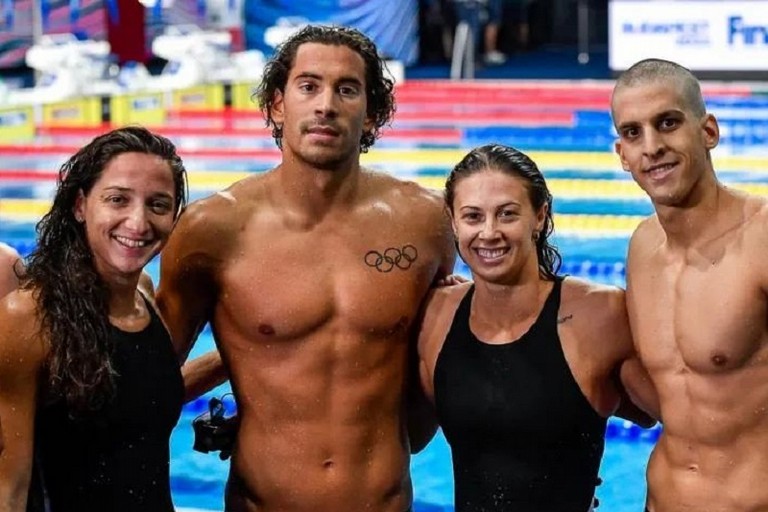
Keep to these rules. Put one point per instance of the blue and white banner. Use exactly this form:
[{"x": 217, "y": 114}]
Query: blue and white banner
[
  {"x": 703, "y": 35},
  {"x": 391, "y": 24}
]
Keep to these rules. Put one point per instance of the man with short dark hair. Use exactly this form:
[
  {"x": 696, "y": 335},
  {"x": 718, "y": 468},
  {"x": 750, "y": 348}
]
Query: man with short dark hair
[{"x": 697, "y": 286}]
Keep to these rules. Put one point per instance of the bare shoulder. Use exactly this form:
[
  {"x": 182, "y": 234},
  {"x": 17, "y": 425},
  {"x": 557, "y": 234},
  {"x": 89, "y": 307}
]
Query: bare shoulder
[
  {"x": 647, "y": 236},
  {"x": 10, "y": 267},
  {"x": 208, "y": 225},
  {"x": 19, "y": 305},
  {"x": 645, "y": 241},
  {"x": 593, "y": 297},
  {"x": 8, "y": 259},
  {"x": 440, "y": 308},
  {"x": 598, "y": 311},
  {"x": 406, "y": 195},
  {"x": 756, "y": 215},
  {"x": 445, "y": 299},
  {"x": 8, "y": 255},
  {"x": 422, "y": 210},
  {"x": 754, "y": 239},
  {"x": 20, "y": 339},
  {"x": 416, "y": 210},
  {"x": 208, "y": 216}
]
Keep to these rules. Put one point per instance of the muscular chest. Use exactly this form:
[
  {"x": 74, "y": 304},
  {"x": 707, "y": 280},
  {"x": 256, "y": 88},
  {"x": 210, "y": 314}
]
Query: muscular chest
[
  {"x": 707, "y": 318},
  {"x": 297, "y": 283}
]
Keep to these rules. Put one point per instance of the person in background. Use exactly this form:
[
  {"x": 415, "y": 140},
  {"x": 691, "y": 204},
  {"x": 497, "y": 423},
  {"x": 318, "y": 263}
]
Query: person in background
[
  {"x": 484, "y": 17},
  {"x": 495, "y": 14},
  {"x": 522, "y": 24}
]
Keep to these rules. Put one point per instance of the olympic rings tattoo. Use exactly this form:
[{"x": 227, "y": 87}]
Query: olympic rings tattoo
[{"x": 392, "y": 257}]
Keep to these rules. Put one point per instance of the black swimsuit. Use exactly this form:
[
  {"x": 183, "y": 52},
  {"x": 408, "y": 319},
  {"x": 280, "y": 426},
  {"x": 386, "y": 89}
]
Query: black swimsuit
[
  {"x": 118, "y": 458},
  {"x": 523, "y": 436}
]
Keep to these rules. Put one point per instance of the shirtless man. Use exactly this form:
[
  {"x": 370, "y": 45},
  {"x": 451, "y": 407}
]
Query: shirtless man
[
  {"x": 311, "y": 276},
  {"x": 696, "y": 294},
  {"x": 9, "y": 281}
]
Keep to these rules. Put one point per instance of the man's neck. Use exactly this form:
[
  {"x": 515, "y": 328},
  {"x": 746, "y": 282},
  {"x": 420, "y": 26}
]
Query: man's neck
[
  {"x": 700, "y": 220},
  {"x": 314, "y": 191}
]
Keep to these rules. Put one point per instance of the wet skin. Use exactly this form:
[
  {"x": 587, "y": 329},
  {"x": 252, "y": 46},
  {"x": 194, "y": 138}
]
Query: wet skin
[
  {"x": 696, "y": 297},
  {"x": 312, "y": 321}
]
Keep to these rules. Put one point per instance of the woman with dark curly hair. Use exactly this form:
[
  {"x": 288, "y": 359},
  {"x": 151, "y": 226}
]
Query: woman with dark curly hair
[
  {"x": 89, "y": 380},
  {"x": 523, "y": 365}
]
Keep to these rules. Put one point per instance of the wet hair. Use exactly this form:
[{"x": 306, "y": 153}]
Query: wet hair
[
  {"x": 650, "y": 71},
  {"x": 496, "y": 157},
  {"x": 379, "y": 88},
  {"x": 72, "y": 298}
]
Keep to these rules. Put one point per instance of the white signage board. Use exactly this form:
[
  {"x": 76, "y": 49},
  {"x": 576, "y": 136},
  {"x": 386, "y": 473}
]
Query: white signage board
[{"x": 706, "y": 35}]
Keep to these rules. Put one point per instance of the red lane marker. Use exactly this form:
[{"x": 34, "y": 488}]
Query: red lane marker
[
  {"x": 491, "y": 118},
  {"x": 507, "y": 84},
  {"x": 529, "y": 98},
  {"x": 66, "y": 150},
  {"x": 429, "y": 113},
  {"x": 432, "y": 134},
  {"x": 27, "y": 175},
  {"x": 559, "y": 87},
  {"x": 446, "y": 103},
  {"x": 165, "y": 129}
]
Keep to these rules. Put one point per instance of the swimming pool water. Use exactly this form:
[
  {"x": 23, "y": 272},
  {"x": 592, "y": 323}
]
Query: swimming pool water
[{"x": 198, "y": 479}]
